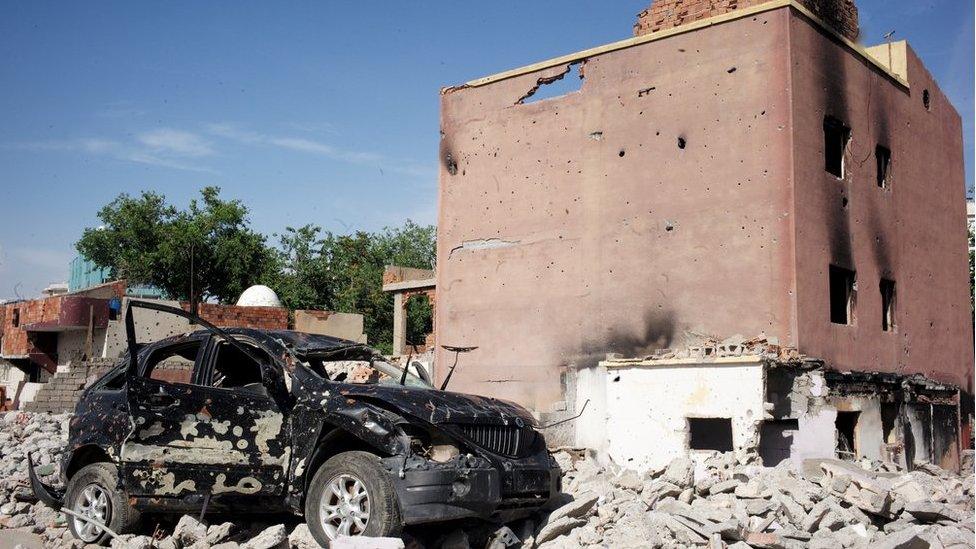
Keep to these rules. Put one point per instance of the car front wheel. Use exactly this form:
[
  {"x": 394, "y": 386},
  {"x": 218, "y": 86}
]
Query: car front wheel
[
  {"x": 352, "y": 495},
  {"x": 91, "y": 493}
]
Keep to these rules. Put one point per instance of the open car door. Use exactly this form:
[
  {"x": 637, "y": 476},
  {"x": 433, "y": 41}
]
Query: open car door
[{"x": 204, "y": 421}]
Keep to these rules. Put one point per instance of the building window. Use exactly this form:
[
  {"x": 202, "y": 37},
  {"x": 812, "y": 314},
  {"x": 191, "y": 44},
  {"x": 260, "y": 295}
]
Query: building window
[
  {"x": 15, "y": 318},
  {"x": 710, "y": 433},
  {"x": 887, "y": 305},
  {"x": 883, "y": 157},
  {"x": 836, "y": 136},
  {"x": 842, "y": 289}
]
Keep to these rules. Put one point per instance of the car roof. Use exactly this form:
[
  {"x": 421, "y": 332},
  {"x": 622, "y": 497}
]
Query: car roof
[{"x": 298, "y": 341}]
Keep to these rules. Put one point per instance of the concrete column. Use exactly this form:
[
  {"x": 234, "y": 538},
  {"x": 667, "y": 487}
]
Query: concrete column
[{"x": 399, "y": 324}]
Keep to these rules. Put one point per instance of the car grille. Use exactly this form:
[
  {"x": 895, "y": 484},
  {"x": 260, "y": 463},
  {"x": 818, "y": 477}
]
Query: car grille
[{"x": 505, "y": 440}]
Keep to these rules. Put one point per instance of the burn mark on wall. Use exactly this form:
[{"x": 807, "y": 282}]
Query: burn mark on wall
[{"x": 631, "y": 339}]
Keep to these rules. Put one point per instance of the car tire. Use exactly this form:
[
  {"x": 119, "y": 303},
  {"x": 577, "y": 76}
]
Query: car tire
[
  {"x": 92, "y": 491},
  {"x": 355, "y": 473}
]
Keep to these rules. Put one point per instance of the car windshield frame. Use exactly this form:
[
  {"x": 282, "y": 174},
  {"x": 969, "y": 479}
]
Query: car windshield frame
[{"x": 348, "y": 354}]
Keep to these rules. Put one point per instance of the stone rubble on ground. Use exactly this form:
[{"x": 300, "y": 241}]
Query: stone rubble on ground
[{"x": 716, "y": 502}]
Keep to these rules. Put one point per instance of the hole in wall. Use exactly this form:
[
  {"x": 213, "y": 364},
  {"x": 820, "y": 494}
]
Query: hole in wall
[
  {"x": 926, "y": 100},
  {"x": 555, "y": 86},
  {"x": 887, "y": 288},
  {"x": 710, "y": 433},
  {"x": 836, "y": 136},
  {"x": 682, "y": 143},
  {"x": 883, "y": 157},
  {"x": 846, "y": 425},
  {"x": 776, "y": 440}
]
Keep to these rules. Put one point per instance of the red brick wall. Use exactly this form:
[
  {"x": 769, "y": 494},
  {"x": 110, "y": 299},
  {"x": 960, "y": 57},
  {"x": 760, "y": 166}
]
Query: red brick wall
[
  {"x": 232, "y": 316},
  {"x": 665, "y": 14},
  {"x": 15, "y": 341}
]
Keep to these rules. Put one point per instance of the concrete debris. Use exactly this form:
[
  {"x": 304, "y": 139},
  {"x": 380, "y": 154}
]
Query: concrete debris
[{"x": 717, "y": 502}]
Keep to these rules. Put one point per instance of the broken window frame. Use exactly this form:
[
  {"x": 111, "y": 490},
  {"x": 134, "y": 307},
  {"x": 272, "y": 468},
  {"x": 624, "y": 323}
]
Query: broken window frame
[
  {"x": 888, "y": 298},
  {"x": 882, "y": 156},
  {"x": 847, "y": 277},
  {"x": 15, "y": 317},
  {"x": 837, "y": 135}
]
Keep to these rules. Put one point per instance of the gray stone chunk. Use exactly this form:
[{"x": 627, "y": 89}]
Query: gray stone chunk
[
  {"x": 557, "y": 528},
  {"x": 189, "y": 531},
  {"x": 272, "y": 537},
  {"x": 577, "y": 508}
]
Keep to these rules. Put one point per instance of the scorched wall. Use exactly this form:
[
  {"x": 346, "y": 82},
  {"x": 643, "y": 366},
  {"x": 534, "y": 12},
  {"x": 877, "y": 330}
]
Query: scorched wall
[{"x": 654, "y": 202}]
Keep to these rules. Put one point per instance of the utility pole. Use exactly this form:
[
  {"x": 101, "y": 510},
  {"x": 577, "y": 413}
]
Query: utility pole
[{"x": 193, "y": 294}]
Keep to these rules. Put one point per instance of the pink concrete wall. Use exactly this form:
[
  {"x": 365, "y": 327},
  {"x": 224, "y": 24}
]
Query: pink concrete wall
[
  {"x": 568, "y": 252},
  {"x": 914, "y": 232}
]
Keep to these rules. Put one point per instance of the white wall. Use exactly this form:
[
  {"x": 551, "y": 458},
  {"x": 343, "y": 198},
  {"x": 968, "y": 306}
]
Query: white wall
[{"x": 650, "y": 402}]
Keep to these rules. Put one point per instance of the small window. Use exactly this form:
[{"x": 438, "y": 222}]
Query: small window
[
  {"x": 883, "y": 157},
  {"x": 887, "y": 305},
  {"x": 173, "y": 364},
  {"x": 710, "y": 433},
  {"x": 846, "y": 425},
  {"x": 842, "y": 291},
  {"x": 233, "y": 369},
  {"x": 15, "y": 318},
  {"x": 836, "y": 136}
]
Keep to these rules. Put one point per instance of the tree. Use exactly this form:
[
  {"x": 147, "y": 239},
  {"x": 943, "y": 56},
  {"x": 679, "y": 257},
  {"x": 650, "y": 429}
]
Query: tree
[
  {"x": 344, "y": 273},
  {"x": 147, "y": 241}
]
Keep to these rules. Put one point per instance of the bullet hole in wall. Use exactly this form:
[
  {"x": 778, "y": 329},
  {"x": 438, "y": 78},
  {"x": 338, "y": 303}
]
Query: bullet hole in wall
[
  {"x": 621, "y": 153},
  {"x": 731, "y": 70},
  {"x": 926, "y": 100},
  {"x": 682, "y": 143}
]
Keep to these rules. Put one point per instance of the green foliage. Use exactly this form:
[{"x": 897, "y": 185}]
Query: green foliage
[
  {"x": 344, "y": 273},
  {"x": 147, "y": 241}
]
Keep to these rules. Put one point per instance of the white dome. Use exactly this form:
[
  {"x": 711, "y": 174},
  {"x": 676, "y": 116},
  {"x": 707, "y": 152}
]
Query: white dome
[{"x": 259, "y": 296}]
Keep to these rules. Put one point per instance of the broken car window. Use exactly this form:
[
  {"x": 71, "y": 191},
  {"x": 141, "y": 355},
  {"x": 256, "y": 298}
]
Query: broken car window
[
  {"x": 232, "y": 368},
  {"x": 359, "y": 366},
  {"x": 173, "y": 364}
]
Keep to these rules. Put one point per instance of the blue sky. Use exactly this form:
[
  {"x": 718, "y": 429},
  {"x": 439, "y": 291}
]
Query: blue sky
[{"x": 321, "y": 113}]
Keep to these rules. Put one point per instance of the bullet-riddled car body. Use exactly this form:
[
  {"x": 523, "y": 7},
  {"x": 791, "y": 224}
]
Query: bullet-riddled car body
[{"x": 256, "y": 420}]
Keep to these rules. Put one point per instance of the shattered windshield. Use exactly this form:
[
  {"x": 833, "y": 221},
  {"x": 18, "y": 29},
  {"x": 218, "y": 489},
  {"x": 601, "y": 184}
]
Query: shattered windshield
[{"x": 358, "y": 365}]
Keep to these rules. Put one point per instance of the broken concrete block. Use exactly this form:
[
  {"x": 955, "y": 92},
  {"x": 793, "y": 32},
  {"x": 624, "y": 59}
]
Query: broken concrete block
[
  {"x": 217, "y": 533},
  {"x": 752, "y": 489},
  {"x": 577, "y": 508},
  {"x": 908, "y": 538},
  {"x": 723, "y": 487},
  {"x": 930, "y": 511},
  {"x": 272, "y": 537},
  {"x": 680, "y": 472},
  {"x": 811, "y": 523},
  {"x": 557, "y": 528},
  {"x": 189, "y": 531},
  {"x": 299, "y": 538},
  {"x": 628, "y": 480},
  {"x": 363, "y": 542}
]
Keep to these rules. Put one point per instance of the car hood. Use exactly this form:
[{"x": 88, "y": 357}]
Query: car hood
[{"x": 439, "y": 407}]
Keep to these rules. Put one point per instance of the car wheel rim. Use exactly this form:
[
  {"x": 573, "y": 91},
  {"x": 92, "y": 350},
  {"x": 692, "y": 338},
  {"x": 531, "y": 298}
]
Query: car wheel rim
[
  {"x": 344, "y": 509},
  {"x": 93, "y": 503}
]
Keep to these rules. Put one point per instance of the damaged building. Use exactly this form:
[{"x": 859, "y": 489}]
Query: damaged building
[{"x": 734, "y": 168}]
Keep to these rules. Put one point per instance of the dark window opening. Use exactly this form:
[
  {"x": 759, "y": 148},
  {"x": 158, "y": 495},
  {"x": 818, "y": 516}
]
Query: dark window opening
[
  {"x": 234, "y": 369},
  {"x": 889, "y": 417},
  {"x": 836, "y": 136},
  {"x": 926, "y": 100},
  {"x": 842, "y": 288},
  {"x": 173, "y": 364},
  {"x": 887, "y": 305},
  {"x": 883, "y": 157},
  {"x": 776, "y": 440},
  {"x": 710, "y": 433},
  {"x": 846, "y": 425},
  {"x": 15, "y": 318}
]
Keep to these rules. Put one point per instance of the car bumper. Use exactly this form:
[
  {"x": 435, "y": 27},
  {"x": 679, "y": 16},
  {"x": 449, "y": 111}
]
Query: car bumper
[{"x": 450, "y": 493}]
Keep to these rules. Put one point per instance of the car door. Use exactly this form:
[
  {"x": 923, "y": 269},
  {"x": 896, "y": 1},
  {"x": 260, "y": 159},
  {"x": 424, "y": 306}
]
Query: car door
[{"x": 202, "y": 434}]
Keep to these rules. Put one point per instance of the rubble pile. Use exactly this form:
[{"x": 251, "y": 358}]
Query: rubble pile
[
  {"x": 724, "y": 503},
  {"x": 716, "y": 501},
  {"x": 701, "y": 347}
]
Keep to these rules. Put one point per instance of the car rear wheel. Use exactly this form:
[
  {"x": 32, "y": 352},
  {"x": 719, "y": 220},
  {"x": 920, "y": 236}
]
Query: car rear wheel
[
  {"x": 352, "y": 495},
  {"x": 92, "y": 493}
]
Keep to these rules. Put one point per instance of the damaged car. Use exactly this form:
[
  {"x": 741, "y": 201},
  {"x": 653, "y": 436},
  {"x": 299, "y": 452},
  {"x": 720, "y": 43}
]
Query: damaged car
[{"x": 248, "y": 420}]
